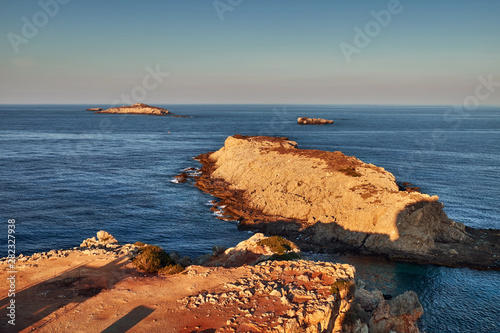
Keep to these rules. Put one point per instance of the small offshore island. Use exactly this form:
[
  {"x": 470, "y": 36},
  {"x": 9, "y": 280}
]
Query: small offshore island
[
  {"x": 329, "y": 202},
  {"x": 313, "y": 121},
  {"x": 138, "y": 108}
]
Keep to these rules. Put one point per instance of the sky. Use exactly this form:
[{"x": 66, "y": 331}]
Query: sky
[{"x": 420, "y": 52}]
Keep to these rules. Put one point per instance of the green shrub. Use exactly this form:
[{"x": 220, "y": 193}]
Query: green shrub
[
  {"x": 276, "y": 244},
  {"x": 151, "y": 259}
]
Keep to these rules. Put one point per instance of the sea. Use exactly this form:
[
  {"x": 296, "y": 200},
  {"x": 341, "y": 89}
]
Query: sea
[{"x": 66, "y": 173}]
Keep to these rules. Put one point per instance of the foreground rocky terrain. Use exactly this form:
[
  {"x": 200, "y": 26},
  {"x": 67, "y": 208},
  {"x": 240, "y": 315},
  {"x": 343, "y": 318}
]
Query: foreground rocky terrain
[
  {"x": 95, "y": 288},
  {"x": 327, "y": 201},
  {"x": 138, "y": 108}
]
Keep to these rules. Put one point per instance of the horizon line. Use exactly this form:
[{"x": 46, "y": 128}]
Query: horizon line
[{"x": 280, "y": 104}]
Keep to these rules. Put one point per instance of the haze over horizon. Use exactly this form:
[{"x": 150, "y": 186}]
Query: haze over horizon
[{"x": 240, "y": 51}]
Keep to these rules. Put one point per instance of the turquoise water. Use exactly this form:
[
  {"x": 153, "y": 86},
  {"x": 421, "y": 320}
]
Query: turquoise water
[{"x": 66, "y": 173}]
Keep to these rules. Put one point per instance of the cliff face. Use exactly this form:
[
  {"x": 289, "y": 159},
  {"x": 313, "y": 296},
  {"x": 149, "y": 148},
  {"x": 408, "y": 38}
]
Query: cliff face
[
  {"x": 138, "y": 108},
  {"x": 329, "y": 197}
]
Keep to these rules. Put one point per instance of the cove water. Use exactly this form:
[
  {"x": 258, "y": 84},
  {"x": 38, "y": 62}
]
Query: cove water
[{"x": 66, "y": 173}]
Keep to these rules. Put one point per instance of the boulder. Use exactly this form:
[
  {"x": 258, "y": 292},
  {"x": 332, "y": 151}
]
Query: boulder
[
  {"x": 399, "y": 314},
  {"x": 104, "y": 239},
  {"x": 252, "y": 251}
]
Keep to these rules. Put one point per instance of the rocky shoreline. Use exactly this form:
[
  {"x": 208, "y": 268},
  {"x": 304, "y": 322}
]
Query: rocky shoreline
[
  {"x": 329, "y": 202},
  {"x": 237, "y": 289}
]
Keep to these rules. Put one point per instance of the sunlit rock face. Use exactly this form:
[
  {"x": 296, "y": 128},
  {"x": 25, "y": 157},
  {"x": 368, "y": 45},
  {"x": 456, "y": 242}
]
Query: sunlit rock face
[{"x": 330, "y": 197}]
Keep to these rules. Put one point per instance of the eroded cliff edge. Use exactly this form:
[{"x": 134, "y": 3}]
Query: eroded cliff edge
[{"x": 327, "y": 201}]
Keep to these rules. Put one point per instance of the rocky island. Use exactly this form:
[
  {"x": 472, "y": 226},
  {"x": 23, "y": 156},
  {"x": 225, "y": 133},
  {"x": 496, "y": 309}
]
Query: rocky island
[
  {"x": 138, "y": 108},
  {"x": 327, "y": 201},
  {"x": 313, "y": 121},
  {"x": 247, "y": 288}
]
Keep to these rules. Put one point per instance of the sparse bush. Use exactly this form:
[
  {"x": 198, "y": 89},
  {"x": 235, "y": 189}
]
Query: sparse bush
[
  {"x": 171, "y": 269},
  {"x": 286, "y": 256},
  {"x": 140, "y": 244},
  {"x": 341, "y": 285},
  {"x": 276, "y": 244},
  {"x": 350, "y": 172},
  {"x": 152, "y": 258}
]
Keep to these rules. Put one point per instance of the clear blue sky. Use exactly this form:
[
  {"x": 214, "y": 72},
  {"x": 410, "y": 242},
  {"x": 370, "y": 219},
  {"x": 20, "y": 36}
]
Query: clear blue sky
[{"x": 281, "y": 51}]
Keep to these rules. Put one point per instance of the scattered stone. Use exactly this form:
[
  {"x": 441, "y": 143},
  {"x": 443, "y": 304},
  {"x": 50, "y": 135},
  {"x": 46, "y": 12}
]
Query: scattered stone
[{"x": 252, "y": 293}]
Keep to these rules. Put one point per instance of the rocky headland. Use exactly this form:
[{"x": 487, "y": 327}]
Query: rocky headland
[
  {"x": 138, "y": 108},
  {"x": 94, "y": 109},
  {"x": 247, "y": 288},
  {"x": 313, "y": 121},
  {"x": 330, "y": 202}
]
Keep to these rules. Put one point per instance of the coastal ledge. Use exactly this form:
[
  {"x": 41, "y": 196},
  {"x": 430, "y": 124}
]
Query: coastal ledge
[
  {"x": 329, "y": 202},
  {"x": 248, "y": 288}
]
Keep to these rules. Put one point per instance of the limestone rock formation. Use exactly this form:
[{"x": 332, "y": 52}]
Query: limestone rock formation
[
  {"x": 104, "y": 239},
  {"x": 370, "y": 312},
  {"x": 281, "y": 296},
  {"x": 398, "y": 314},
  {"x": 251, "y": 251},
  {"x": 94, "y": 109},
  {"x": 313, "y": 121},
  {"x": 332, "y": 201},
  {"x": 138, "y": 108}
]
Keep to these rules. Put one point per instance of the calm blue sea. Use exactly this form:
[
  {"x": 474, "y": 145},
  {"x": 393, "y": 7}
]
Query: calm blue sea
[{"x": 66, "y": 173}]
